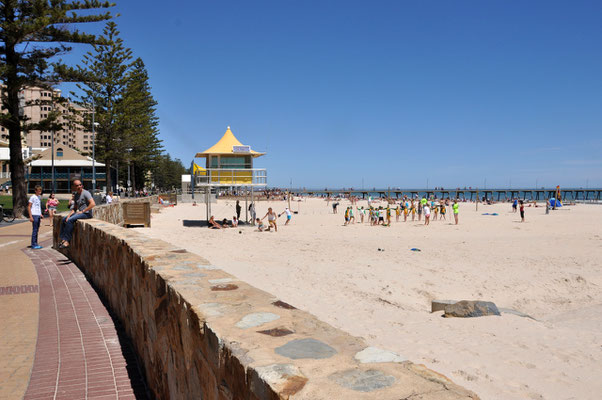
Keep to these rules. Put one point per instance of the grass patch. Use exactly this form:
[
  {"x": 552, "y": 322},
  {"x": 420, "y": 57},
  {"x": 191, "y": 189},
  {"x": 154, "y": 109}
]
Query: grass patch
[{"x": 7, "y": 202}]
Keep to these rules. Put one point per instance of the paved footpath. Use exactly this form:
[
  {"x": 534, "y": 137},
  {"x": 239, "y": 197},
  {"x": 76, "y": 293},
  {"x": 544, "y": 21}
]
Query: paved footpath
[{"x": 57, "y": 339}]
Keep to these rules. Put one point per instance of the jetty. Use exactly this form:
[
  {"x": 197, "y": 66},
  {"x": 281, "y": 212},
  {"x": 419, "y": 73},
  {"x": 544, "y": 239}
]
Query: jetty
[{"x": 499, "y": 194}]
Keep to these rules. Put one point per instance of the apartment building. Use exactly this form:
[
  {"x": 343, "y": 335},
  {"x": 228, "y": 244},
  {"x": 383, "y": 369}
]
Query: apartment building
[{"x": 72, "y": 135}]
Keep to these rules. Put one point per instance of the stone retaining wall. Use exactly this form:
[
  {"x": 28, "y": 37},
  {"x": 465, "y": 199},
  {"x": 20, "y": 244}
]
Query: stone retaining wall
[
  {"x": 203, "y": 334},
  {"x": 113, "y": 213}
]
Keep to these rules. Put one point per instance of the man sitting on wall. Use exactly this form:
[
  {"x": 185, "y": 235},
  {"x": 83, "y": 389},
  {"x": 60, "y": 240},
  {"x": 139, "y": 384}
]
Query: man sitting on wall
[{"x": 81, "y": 208}]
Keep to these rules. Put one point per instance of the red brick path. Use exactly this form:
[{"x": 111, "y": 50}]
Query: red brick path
[{"x": 78, "y": 351}]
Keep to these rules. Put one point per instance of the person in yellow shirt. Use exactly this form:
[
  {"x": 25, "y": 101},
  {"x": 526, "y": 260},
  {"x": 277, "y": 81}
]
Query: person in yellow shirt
[{"x": 455, "y": 207}]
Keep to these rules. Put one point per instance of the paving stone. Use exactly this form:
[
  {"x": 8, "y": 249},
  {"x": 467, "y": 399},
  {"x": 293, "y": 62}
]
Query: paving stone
[
  {"x": 286, "y": 378},
  {"x": 209, "y": 267},
  {"x": 222, "y": 280},
  {"x": 277, "y": 373},
  {"x": 376, "y": 355},
  {"x": 306, "y": 348},
  {"x": 188, "y": 282},
  {"x": 362, "y": 381},
  {"x": 182, "y": 267},
  {"x": 213, "y": 309},
  {"x": 256, "y": 319},
  {"x": 194, "y": 275}
]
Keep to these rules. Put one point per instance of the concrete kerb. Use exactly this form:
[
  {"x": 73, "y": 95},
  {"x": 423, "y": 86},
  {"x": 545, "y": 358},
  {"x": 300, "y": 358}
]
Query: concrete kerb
[{"x": 186, "y": 333}]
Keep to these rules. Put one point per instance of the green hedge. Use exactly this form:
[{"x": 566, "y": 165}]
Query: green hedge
[{"x": 7, "y": 202}]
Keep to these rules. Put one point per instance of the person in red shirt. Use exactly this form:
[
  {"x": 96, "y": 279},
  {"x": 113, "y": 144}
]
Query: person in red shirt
[{"x": 522, "y": 211}]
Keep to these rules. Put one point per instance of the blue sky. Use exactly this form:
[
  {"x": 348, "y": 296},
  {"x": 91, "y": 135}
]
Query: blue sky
[{"x": 388, "y": 93}]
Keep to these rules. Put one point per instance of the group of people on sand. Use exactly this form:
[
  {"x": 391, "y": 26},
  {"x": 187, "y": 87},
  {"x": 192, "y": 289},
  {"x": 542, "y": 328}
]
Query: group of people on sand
[
  {"x": 271, "y": 215},
  {"x": 431, "y": 209}
]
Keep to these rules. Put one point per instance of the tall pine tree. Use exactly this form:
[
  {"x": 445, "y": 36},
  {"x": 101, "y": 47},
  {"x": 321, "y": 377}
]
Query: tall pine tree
[
  {"x": 139, "y": 124},
  {"x": 32, "y": 34},
  {"x": 108, "y": 66}
]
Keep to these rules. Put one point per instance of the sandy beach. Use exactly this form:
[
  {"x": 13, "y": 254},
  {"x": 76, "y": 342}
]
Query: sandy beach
[{"x": 549, "y": 267}]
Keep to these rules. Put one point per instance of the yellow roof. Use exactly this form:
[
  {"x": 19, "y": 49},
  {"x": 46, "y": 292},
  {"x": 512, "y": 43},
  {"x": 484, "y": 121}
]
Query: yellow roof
[{"x": 226, "y": 145}]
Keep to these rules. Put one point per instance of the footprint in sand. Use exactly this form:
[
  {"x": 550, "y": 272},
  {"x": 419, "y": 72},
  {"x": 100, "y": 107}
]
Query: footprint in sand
[{"x": 465, "y": 375}]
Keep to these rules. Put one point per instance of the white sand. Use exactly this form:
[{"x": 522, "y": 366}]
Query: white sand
[{"x": 549, "y": 267}]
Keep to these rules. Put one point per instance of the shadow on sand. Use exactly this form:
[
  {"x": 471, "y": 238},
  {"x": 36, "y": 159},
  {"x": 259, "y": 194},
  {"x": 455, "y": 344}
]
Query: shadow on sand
[{"x": 195, "y": 223}]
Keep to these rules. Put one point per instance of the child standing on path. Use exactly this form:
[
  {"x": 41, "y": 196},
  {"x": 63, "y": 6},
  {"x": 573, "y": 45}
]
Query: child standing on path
[{"x": 35, "y": 216}]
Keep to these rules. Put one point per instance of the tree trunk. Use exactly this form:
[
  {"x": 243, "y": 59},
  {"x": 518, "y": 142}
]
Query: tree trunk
[{"x": 17, "y": 170}]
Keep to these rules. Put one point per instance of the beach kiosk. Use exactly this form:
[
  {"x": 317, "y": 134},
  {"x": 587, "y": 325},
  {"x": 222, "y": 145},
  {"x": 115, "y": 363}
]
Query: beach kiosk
[{"x": 228, "y": 167}]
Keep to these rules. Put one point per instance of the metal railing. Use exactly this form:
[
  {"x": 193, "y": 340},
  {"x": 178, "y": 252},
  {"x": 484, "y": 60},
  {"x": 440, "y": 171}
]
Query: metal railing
[
  {"x": 232, "y": 177},
  {"x": 64, "y": 175}
]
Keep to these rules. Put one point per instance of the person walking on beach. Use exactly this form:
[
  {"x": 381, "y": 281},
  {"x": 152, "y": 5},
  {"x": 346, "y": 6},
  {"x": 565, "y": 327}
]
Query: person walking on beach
[
  {"x": 252, "y": 212},
  {"x": 514, "y": 205},
  {"x": 427, "y": 214},
  {"x": 35, "y": 216},
  {"x": 423, "y": 202},
  {"x": 271, "y": 219},
  {"x": 83, "y": 203},
  {"x": 360, "y": 212},
  {"x": 238, "y": 208},
  {"x": 334, "y": 207},
  {"x": 442, "y": 212},
  {"x": 455, "y": 208},
  {"x": 346, "y": 217},
  {"x": 522, "y": 211}
]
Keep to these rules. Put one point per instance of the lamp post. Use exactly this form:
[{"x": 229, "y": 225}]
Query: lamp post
[
  {"x": 52, "y": 150},
  {"x": 94, "y": 124},
  {"x": 129, "y": 181}
]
